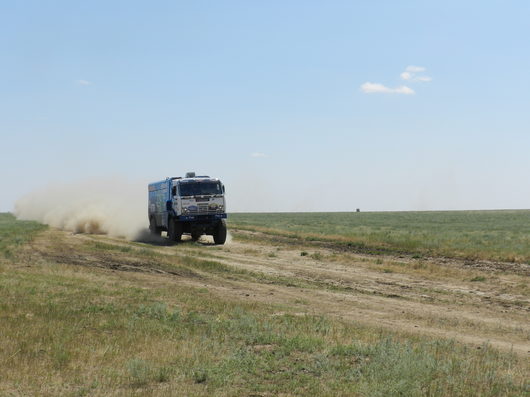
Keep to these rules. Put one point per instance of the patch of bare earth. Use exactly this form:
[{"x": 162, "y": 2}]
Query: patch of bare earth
[{"x": 435, "y": 297}]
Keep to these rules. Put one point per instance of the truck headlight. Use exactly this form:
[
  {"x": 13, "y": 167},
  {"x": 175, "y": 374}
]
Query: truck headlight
[{"x": 213, "y": 206}]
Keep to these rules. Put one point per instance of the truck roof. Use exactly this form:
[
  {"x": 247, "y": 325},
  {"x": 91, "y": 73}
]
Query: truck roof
[
  {"x": 198, "y": 179},
  {"x": 184, "y": 180}
]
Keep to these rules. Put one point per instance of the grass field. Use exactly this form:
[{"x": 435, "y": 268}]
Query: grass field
[
  {"x": 14, "y": 234},
  {"x": 93, "y": 316},
  {"x": 494, "y": 235}
]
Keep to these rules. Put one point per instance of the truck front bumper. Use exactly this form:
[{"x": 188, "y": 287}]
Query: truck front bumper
[{"x": 201, "y": 218}]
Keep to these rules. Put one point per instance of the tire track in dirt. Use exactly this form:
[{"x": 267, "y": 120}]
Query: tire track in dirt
[
  {"x": 446, "y": 307},
  {"x": 345, "y": 287}
]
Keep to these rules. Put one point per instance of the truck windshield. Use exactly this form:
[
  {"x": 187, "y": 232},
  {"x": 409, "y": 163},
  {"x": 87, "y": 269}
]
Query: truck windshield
[{"x": 200, "y": 188}]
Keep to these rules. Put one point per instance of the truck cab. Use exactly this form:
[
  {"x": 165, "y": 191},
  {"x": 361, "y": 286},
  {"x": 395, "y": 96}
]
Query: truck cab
[{"x": 193, "y": 205}]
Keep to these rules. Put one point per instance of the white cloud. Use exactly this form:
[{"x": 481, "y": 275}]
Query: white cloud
[
  {"x": 84, "y": 82},
  {"x": 410, "y": 74},
  {"x": 415, "y": 69},
  {"x": 258, "y": 155},
  {"x": 425, "y": 79},
  {"x": 374, "y": 88}
]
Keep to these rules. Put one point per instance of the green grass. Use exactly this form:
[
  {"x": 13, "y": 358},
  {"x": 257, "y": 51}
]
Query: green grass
[
  {"x": 81, "y": 331},
  {"x": 496, "y": 235},
  {"x": 14, "y": 234},
  {"x": 96, "y": 338}
]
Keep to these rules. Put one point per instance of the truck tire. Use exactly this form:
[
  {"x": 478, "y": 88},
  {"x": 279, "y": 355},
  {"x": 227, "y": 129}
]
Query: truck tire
[
  {"x": 153, "y": 228},
  {"x": 174, "y": 230},
  {"x": 219, "y": 234}
]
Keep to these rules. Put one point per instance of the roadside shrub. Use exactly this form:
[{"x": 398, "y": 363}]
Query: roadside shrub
[
  {"x": 316, "y": 256},
  {"x": 139, "y": 371}
]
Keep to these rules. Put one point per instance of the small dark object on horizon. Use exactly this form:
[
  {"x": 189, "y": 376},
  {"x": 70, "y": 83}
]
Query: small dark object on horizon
[{"x": 358, "y": 210}]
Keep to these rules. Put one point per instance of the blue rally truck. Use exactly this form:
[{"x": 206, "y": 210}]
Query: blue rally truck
[{"x": 193, "y": 204}]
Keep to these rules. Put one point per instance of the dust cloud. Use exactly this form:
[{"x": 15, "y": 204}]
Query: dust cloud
[{"x": 111, "y": 206}]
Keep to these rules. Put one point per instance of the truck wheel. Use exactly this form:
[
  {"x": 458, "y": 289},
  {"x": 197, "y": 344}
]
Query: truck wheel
[
  {"x": 153, "y": 228},
  {"x": 195, "y": 236},
  {"x": 174, "y": 230},
  {"x": 219, "y": 234}
]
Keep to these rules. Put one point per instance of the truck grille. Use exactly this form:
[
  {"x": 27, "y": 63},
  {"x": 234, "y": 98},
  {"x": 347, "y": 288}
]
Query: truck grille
[{"x": 204, "y": 210}]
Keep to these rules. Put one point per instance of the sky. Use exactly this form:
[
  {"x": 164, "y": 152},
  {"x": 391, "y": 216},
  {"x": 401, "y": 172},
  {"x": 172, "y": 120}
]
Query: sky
[{"x": 295, "y": 105}]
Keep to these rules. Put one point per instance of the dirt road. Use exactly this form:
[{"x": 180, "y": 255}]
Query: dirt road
[{"x": 474, "y": 303}]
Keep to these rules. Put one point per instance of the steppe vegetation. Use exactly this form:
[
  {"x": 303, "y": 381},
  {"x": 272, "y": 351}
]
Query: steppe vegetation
[
  {"x": 491, "y": 235},
  {"x": 85, "y": 315}
]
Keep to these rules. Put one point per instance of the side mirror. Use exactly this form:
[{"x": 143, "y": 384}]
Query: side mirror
[
  {"x": 174, "y": 191},
  {"x": 169, "y": 205},
  {"x": 223, "y": 188}
]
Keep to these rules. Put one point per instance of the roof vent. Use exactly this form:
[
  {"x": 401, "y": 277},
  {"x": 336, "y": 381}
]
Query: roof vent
[{"x": 190, "y": 174}]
